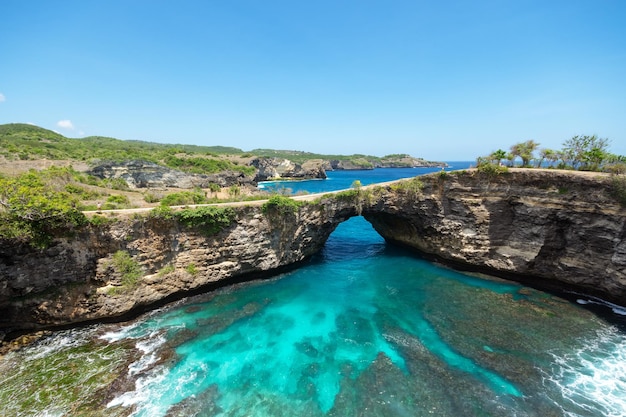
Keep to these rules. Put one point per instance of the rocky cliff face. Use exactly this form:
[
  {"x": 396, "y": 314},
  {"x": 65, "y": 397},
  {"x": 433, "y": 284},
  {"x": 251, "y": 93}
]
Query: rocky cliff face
[
  {"x": 76, "y": 279},
  {"x": 143, "y": 174},
  {"x": 278, "y": 168},
  {"x": 555, "y": 229},
  {"x": 559, "y": 230}
]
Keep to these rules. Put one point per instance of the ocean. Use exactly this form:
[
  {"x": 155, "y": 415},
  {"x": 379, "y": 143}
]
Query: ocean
[{"x": 362, "y": 329}]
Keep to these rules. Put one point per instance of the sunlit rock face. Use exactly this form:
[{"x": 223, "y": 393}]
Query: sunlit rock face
[
  {"x": 557, "y": 229},
  {"x": 144, "y": 174},
  {"x": 75, "y": 280},
  {"x": 279, "y": 168}
]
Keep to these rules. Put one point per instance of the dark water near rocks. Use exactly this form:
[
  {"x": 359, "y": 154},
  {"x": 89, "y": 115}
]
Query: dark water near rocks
[{"x": 364, "y": 329}]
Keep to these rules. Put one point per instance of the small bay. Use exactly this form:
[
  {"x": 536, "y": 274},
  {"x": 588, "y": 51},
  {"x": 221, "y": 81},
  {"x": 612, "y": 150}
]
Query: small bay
[{"x": 363, "y": 328}]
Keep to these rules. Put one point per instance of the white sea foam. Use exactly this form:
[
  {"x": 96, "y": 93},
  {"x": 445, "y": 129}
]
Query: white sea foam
[
  {"x": 56, "y": 342},
  {"x": 149, "y": 347},
  {"x": 142, "y": 394},
  {"x": 592, "y": 379},
  {"x": 617, "y": 309}
]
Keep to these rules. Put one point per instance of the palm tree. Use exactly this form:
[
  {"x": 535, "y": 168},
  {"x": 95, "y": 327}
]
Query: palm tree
[{"x": 497, "y": 156}]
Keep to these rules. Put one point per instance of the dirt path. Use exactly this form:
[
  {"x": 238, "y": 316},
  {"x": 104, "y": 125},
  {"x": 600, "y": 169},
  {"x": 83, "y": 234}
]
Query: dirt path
[{"x": 305, "y": 197}]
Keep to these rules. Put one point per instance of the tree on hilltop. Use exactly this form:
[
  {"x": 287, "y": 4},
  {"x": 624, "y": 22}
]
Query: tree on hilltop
[
  {"x": 586, "y": 152},
  {"x": 525, "y": 151},
  {"x": 497, "y": 156}
]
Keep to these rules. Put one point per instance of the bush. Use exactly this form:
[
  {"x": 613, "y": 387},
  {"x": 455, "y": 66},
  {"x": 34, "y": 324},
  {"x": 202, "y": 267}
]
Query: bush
[
  {"x": 617, "y": 168},
  {"x": 151, "y": 197},
  {"x": 127, "y": 267},
  {"x": 183, "y": 198},
  {"x": 489, "y": 168},
  {"x": 116, "y": 201},
  {"x": 211, "y": 220},
  {"x": 412, "y": 187},
  {"x": 161, "y": 212},
  {"x": 31, "y": 209},
  {"x": 281, "y": 204},
  {"x": 618, "y": 189},
  {"x": 99, "y": 221},
  {"x": 115, "y": 184}
]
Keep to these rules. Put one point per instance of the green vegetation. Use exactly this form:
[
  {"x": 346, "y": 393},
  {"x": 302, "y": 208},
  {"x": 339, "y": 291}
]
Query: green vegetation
[
  {"x": 585, "y": 153},
  {"x": 204, "y": 165},
  {"x": 99, "y": 221},
  {"x": 161, "y": 213},
  {"x": 618, "y": 189},
  {"x": 364, "y": 161},
  {"x": 35, "y": 207},
  {"x": 281, "y": 204},
  {"x": 490, "y": 169},
  {"x": 183, "y": 198},
  {"x": 192, "y": 269},
  {"x": 127, "y": 267},
  {"x": 525, "y": 151},
  {"x": 167, "y": 269},
  {"x": 23, "y": 141},
  {"x": 116, "y": 201},
  {"x": 210, "y": 220},
  {"x": 412, "y": 187},
  {"x": 69, "y": 380}
]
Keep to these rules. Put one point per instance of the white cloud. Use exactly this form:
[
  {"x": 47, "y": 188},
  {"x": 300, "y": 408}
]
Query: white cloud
[
  {"x": 65, "y": 124},
  {"x": 2, "y": 98}
]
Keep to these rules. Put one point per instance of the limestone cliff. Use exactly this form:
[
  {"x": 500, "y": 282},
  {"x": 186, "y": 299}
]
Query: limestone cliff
[
  {"x": 144, "y": 174},
  {"x": 560, "y": 230},
  {"x": 75, "y": 280},
  {"x": 279, "y": 168}
]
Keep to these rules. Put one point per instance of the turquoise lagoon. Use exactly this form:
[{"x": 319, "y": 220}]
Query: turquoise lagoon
[{"x": 363, "y": 329}]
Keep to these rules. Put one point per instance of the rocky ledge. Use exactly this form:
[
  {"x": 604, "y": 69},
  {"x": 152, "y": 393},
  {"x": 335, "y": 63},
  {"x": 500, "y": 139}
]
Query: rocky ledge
[
  {"x": 144, "y": 174},
  {"x": 558, "y": 230},
  {"x": 78, "y": 279}
]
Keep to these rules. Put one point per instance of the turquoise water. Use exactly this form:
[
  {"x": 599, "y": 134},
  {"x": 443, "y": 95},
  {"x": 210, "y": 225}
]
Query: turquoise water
[
  {"x": 363, "y": 329},
  {"x": 366, "y": 329}
]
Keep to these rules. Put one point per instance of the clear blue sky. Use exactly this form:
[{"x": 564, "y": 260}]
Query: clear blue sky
[{"x": 445, "y": 80}]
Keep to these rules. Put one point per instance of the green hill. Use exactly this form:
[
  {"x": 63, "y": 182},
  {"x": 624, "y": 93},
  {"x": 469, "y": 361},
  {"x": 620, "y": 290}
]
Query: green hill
[{"x": 26, "y": 142}]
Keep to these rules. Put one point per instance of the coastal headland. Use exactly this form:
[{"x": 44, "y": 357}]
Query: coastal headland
[{"x": 558, "y": 230}]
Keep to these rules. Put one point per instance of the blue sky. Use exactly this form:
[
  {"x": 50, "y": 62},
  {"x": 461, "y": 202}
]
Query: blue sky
[{"x": 445, "y": 80}]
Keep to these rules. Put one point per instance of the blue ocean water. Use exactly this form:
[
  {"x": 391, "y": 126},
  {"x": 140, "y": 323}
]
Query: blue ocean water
[
  {"x": 340, "y": 180},
  {"x": 363, "y": 329}
]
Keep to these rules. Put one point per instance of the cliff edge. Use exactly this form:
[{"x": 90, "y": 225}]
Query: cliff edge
[{"x": 556, "y": 229}]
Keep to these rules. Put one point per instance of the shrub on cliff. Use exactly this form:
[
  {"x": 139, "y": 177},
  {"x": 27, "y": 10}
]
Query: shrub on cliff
[
  {"x": 210, "y": 220},
  {"x": 618, "y": 189},
  {"x": 281, "y": 204},
  {"x": 488, "y": 168},
  {"x": 183, "y": 198},
  {"x": 127, "y": 267},
  {"x": 34, "y": 208}
]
